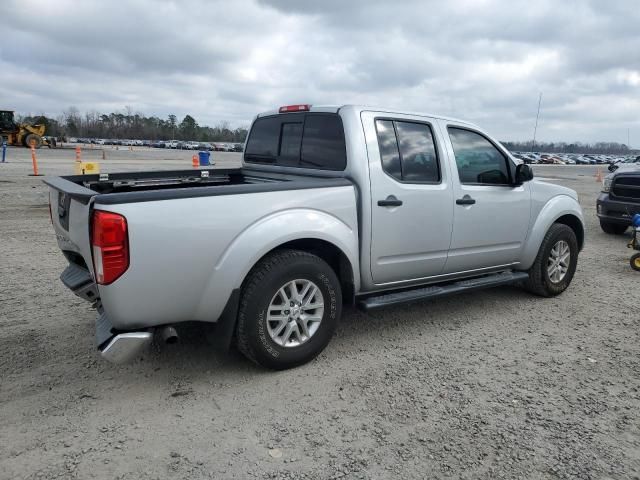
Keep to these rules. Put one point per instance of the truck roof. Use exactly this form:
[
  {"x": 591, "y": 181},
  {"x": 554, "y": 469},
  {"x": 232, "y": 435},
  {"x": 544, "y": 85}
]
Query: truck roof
[{"x": 362, "y": 108}]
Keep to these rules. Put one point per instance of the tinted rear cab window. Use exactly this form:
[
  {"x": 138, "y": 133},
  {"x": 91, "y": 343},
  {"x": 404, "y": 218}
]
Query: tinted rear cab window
[
  {"x": 408, "y": 151},
  {"x": 304, "y": 140}
]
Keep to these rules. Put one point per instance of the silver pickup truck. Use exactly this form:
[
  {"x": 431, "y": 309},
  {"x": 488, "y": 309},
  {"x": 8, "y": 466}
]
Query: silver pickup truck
[{"x": 333, "y": 205}]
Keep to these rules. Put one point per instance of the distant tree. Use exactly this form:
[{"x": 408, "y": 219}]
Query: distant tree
[
  {"x": 72, "y": 121},
  {"x": 134, "y": 125},
  {"x": 188, "y": 128}
]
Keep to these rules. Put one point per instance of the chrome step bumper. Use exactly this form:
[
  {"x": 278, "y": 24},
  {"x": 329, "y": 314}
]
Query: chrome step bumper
[
  {"x": 119, "y": 347},
  {"x": 115, "y": 347},
  {"x": 125, "y": 347}
]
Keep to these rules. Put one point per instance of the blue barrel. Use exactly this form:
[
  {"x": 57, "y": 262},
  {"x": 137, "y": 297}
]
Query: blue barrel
[
  {"x": 636, "y": 220},
  {"x": 204, "y": 158}
]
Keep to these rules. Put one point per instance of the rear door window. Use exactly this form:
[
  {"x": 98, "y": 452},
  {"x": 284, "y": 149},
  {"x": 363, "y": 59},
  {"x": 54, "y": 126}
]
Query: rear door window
[
  {"x": 311, "y": 140},
  {"x": 388, "y": 144},
  {"x": 407, "y": 151}
]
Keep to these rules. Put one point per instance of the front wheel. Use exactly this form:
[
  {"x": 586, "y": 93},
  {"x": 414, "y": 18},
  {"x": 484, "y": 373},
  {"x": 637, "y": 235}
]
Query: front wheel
[
  {"x": 555, "y": 263},
  {"x": 33, "y": 140},
  {"x": 635, "y": 262},
  {"x": 289, "y": 309}
]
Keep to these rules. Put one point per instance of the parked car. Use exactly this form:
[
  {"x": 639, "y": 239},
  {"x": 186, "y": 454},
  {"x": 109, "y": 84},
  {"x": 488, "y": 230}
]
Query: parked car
[
  {"x": 270, "y": 252},
  {"x": 627, "y": 161},
  {"x": 580, "y": 160},
  {"x": 619, "y": 200},
  {"x": 555, "y": 160}
]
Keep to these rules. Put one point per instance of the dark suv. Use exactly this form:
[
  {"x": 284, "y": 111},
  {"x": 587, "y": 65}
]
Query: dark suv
[{"x": 619, "y": 200}]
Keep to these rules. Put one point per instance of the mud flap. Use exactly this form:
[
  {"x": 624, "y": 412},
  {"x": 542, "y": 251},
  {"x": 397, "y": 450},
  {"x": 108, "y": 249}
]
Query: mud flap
[{"x": 221, "y": 333}]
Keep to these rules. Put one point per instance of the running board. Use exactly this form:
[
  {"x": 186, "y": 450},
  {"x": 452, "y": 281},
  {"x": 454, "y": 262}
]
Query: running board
[{"x": 435, "y": 291}]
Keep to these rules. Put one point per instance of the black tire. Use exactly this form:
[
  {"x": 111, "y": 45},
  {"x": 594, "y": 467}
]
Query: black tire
[
  {"x": 33, "y": 138},
  {"x": 635, "y": 262},
  {"x": 613, "y": 228},
  {"x": 539, "y": 282},
  {"x": 260, "y": 287}
]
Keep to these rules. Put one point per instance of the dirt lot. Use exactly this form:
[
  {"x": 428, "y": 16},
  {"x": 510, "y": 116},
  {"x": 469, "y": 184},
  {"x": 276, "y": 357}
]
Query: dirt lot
[{"x": 497, "y": 384}]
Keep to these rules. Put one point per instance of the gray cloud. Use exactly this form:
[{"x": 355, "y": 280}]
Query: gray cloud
[{"x": 482, "y": 60}]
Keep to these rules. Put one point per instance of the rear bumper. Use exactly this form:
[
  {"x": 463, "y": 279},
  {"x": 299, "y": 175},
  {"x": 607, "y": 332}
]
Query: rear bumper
[
  {"x": 615, "y": 211},
  {"x": 120, "y": 347},
  {"x": 80, "y": 282},
  {"x": 115, "y": 346}
]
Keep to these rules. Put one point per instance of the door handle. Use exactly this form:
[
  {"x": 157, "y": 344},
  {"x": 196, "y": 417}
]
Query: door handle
[
  {"x": 390, "y": 201},
  {"x": 466, "y": 200}
]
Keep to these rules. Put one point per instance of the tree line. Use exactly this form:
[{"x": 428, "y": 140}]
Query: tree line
[
  {"x": 133, "y": 126},
  {"x": 136, "y": 126}
]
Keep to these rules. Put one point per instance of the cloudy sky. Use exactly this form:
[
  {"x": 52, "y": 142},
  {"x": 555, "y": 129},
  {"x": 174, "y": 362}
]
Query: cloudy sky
[{"x": 481, "y": 60}]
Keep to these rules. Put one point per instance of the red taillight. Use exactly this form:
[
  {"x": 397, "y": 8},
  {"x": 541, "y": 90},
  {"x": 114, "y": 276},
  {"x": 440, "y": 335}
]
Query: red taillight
[
  {"x": 294, "y": 108},
  {"x": 110, "y": 244}
]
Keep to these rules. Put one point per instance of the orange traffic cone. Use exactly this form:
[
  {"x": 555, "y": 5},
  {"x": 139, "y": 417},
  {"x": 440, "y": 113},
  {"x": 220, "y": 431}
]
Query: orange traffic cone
[
  {"x": 195, "y": 162},
  {"x": 34, "y": 162},
  {"x": 599, "y": 175}
]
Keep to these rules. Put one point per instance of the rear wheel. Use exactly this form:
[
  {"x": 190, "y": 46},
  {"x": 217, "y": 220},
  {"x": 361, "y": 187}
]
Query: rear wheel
[
  {"x": 613, "y": 228},
  {"x": 635, "y": 262},
  {"x": 290, "y": 306},
  {"x": 33, "y": 139},
  {"x": 555, "y": 263}
]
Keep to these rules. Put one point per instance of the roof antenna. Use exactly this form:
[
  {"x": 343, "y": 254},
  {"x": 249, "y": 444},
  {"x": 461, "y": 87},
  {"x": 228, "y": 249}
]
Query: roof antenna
[{"x": 535, "y": 129}]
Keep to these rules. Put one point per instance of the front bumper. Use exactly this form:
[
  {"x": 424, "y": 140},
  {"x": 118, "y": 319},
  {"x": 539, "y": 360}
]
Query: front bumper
[
  {"x": 615, "y": 211},
  {"x": 115, "y": 346}
]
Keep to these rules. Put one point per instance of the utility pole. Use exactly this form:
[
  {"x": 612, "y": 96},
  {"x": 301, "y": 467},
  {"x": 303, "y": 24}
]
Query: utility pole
[{"x": 535, "y": 129}]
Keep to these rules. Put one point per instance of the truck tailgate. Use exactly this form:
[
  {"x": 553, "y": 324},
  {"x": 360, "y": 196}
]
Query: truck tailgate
[{"x": 70, "y": 214}]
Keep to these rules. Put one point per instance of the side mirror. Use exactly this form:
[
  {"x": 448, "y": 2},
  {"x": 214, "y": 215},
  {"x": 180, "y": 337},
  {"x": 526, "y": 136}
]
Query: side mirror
[
  {"x": 612, "y": 167},
  {"x": 524, "y": 173}
]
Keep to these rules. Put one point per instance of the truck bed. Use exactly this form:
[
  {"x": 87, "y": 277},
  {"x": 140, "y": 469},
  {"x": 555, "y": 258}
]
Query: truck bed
[
  {"x": 129, "y": 187},
  {"x": 217, "y": 222}
]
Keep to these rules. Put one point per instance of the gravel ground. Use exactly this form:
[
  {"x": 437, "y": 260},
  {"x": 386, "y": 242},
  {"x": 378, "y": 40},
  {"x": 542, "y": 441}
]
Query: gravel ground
[{"x": 500, "y": 385}]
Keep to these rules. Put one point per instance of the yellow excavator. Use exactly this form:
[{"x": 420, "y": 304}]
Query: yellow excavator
[{"x": 22, "y": 134}]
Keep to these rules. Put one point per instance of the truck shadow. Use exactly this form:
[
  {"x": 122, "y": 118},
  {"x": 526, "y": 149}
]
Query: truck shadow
[
  {"x": 371, "y": 329},
  {"x": 195, "y": 365}
]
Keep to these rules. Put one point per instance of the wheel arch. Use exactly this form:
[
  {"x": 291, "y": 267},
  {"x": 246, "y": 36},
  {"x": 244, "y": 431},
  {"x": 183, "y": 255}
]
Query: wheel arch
[
  {"x": 575, "y": 224},
  {"x": 330, "y": 253},
  {"x": 335, "y": 257},
  {"x": 319, "y": 232},
  {"x": 561, "y": 209}
]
